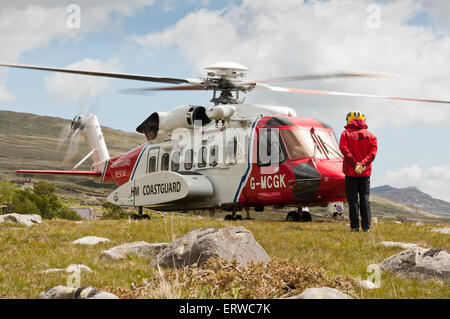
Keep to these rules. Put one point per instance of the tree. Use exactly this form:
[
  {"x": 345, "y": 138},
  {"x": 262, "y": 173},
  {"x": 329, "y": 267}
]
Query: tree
[{"x": 6, "y": 192}]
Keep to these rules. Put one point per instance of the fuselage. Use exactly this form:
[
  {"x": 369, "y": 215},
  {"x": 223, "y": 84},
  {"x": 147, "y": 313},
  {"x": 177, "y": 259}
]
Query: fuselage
[{"x": 270, "y": 161}]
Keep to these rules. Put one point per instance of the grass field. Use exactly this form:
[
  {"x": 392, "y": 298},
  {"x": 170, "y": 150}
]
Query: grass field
[{"x": 328, "y": 247}]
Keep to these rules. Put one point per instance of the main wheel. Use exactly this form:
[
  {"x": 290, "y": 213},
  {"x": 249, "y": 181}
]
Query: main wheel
[
  {"x": 305, "y": 216},
  {"x": 229, "y": 217},
  {"x": 238, "y": 217},
  {"x": 293, "y": 216}
]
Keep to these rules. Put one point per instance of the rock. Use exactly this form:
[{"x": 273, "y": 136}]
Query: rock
[
  {"x": 321, "y": 293},
  {"x": 374, "y": 220},
  {"x": 442, "y": 230},
  {"x": 420, "y": 263},
  {"x": 63, "y": 292},
  {"x": 140, "y": 248},
  {"x": 90, "y": 240},
  {"x": 199, "y": 245},
  {"x": 23, "y": 219},
  {"x": 367, "y": 284},
  {"x": 398, "y": 244},
  {"x": 397, "y": 222},
  {"x": 420, "y": 224}
]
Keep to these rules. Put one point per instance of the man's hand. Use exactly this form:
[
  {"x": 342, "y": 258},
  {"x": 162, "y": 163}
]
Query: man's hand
[{"x": 359, "y": 168}]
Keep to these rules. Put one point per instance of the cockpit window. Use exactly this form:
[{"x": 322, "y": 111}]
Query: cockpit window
[{"x": 301, "y": 143}]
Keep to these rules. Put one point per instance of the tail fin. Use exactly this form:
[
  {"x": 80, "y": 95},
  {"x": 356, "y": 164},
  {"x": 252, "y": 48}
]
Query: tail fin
[{"x": 93, "y": 133}]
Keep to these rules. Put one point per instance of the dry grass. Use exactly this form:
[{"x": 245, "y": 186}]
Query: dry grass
[
  {"x": 221, "y": 278},
  {"x": 303, "y": 255}
]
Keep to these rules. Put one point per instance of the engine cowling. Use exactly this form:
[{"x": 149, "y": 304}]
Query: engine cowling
[{"x": 159, "y": 125}]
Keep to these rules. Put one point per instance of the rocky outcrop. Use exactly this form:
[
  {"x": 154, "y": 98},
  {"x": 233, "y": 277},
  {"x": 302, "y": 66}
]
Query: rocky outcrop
[
  {"x": 140, "y": 248},
  {"x": 321, "y": 293},
  {"x": 23, "y": 219},
  {"x": 63, "y": 292},
  {"x": 199, "y": 245},
  {"x": 420, "y": 263},
  {"x": 90, "y": 240}
]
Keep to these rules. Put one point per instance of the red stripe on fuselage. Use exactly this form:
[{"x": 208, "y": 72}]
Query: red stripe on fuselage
[{"x": 120, "y": 167}]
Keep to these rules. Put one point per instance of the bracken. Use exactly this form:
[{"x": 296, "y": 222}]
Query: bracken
[{"x": 222, "y": 278}]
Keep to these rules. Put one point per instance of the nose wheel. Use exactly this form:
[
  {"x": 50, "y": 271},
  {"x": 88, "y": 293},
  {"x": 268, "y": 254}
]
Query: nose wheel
[{"x": 302, "y": 215}]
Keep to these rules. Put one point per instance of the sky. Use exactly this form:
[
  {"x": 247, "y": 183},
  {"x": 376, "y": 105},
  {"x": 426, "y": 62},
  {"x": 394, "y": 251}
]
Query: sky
[{"x": 174, "y": 38}]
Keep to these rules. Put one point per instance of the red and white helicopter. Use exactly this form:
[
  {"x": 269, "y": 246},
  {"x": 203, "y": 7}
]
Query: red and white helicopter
[{"x": 229, "y": 156}]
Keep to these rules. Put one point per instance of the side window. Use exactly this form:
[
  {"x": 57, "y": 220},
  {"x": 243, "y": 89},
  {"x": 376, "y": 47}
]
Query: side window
[
  {"x": 231, "y": 150},
  {"x": 188, "y": 159},
  {"x": 213, "y": 155},
  {"x": 165, "y": 162},
  {"x": 202, "y": 157},
  {"x": 175, "y": 165},
  {"x": 270, "y": 151},
  {"x": 152, "y": 164}
]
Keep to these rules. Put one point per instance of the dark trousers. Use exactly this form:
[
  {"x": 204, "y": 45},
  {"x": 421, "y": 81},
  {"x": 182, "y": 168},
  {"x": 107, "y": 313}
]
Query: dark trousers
[{"x": 354, "y": 187}]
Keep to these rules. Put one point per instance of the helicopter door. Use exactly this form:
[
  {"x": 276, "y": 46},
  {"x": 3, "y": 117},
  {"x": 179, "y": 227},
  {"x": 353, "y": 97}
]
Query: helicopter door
[{"x": 153, "y": 160}]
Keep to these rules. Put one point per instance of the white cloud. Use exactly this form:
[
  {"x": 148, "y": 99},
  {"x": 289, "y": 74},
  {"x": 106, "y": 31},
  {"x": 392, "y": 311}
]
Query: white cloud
[
  {"x": 79, "y": 89},
  {"x": 26, "y": 26},
  {"x": 295, "y": 37},
  {"x": 433, "y": 180},
  {"x": 5, "y": 95}
]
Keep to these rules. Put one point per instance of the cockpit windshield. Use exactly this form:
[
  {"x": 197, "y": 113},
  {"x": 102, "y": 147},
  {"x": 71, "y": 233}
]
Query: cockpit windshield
[{"x": 300, "y": 143}]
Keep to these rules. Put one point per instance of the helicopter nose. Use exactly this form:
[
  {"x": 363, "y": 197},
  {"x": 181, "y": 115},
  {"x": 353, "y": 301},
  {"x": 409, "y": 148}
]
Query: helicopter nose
[
  {"x": 324, "y": 176},
  {"x": 333, "y": 179}
]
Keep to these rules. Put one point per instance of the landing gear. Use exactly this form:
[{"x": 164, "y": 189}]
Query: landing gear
[
  {"x": 233, "y": 216},
  {"x": 305, "y": 215},
  {"x": 293, "y": 216},
  {"x": 140, "y": 214},
  {"x": 302, "y": 215}
]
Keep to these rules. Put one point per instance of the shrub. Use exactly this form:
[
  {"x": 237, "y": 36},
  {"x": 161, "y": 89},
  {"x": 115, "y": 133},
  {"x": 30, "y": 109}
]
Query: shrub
[
  {"x": 43, "y": 201},
  {"x": 6, "y": 192},
  {"x": 67, "y": 213}
]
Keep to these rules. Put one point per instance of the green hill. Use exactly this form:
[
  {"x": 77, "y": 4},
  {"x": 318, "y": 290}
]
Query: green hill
[{"x": 29, "y": 141}]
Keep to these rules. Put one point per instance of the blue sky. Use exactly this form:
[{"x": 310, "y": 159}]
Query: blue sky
[{"x": 176, "y": 38}]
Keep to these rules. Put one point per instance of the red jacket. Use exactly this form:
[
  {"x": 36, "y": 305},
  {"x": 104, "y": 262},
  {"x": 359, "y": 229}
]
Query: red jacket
[{"x": 357, "y": 145}]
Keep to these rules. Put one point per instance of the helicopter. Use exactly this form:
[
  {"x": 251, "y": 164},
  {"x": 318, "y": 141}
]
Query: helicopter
[{"x": 229, "y": 156}]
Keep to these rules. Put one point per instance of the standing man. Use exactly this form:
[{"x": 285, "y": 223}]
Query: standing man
[{"x": 359, "y": 147}]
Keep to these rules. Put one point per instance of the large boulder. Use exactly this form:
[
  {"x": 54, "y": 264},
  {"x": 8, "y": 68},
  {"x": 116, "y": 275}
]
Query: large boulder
[
  {"x": 420, "y": 263},
  {"x": 140, "y": 248},
  {"x": 23, "y": 219},
  {"x": 321, "y": 293},
  {"x": 199, "y": 245},
  {"x": 90, "y": 240},
  {"x": 63, "y": 292}
]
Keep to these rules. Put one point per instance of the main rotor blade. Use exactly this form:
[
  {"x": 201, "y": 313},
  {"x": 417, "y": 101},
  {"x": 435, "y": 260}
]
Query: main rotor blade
[
  {"x": 100, "y": 73},
  {"x": 166, "y": 88},
  {"x": 326, "y": 76},
  {"x": 307, "y": 91}
]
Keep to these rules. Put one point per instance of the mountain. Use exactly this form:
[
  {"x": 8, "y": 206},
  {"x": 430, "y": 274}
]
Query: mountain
[{"x": 414, "y": 196}]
